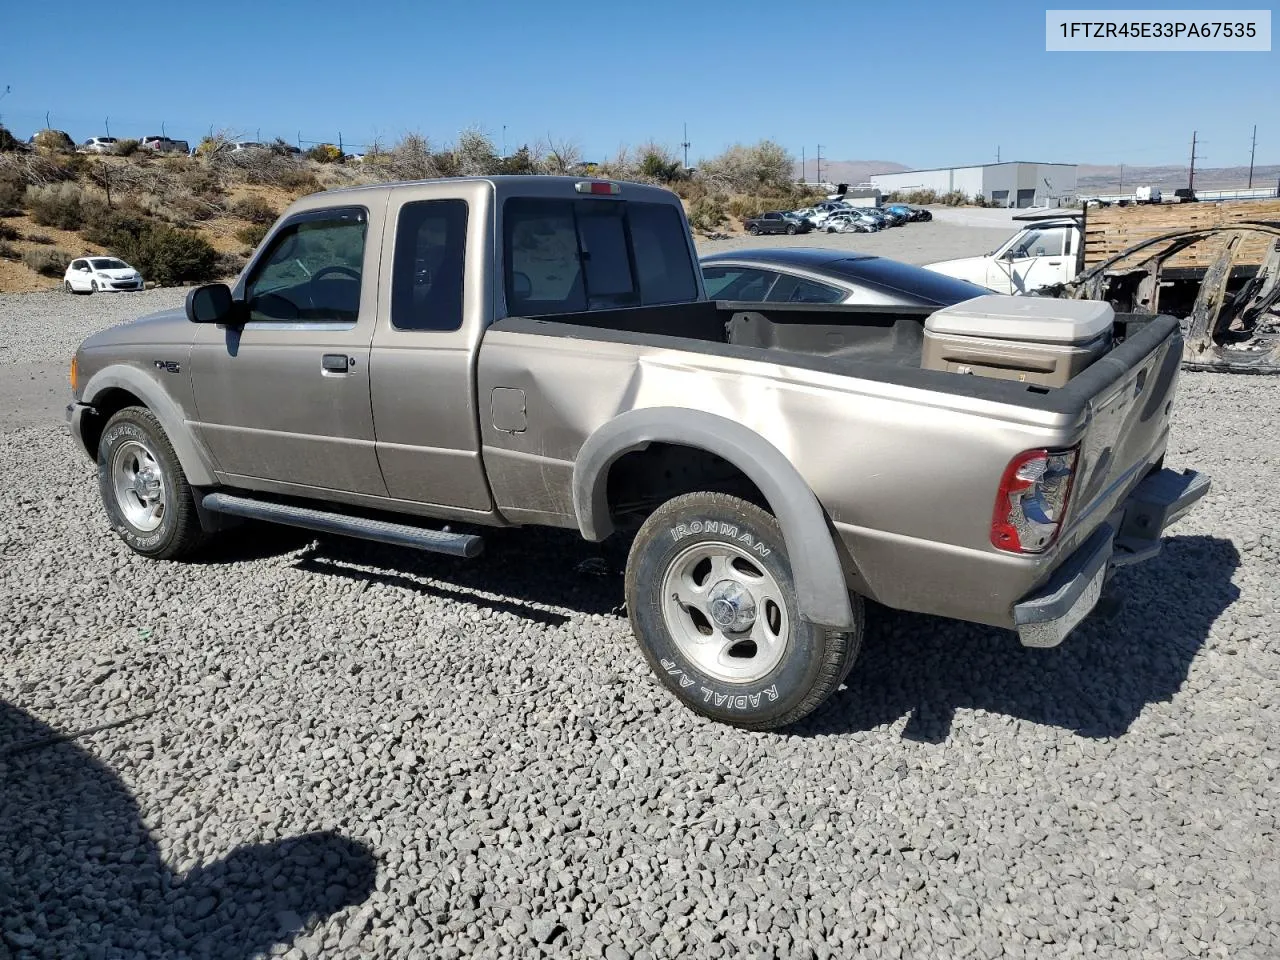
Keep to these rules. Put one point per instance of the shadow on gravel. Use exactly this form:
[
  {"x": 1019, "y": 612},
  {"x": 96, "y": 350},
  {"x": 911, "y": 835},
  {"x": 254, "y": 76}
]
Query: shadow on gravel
[
  {"x": 1095, "y": 684},
  {"x": 81, "y": 877},
  {"x": 527, "y": 570}
]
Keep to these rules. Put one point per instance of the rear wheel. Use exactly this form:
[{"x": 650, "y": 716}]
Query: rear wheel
[
  {"x": 146, "y": 495},
  {"x": 755, "y": 231},
  {"x": 712, "y": 603}
]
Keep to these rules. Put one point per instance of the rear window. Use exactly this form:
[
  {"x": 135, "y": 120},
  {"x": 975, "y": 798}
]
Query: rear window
[
  {"x": 570, "y": 256},
  {"x": 924, "y": 285}
]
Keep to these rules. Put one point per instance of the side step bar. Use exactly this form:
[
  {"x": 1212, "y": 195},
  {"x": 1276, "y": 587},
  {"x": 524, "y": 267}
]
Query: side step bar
[{"x": 382, "y": 531}]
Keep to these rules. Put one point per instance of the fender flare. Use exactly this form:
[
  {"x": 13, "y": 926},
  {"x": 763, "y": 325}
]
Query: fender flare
[
  {"x": 196, "y": 464},
  {"x": 822, "y": 595}
]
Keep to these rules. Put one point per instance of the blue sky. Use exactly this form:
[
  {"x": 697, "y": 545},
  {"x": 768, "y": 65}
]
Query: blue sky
[{"x": 926, "y": 84}]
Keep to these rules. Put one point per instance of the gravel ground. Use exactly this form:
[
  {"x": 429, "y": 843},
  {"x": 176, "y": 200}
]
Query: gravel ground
[{"x": 328, "y": 748}]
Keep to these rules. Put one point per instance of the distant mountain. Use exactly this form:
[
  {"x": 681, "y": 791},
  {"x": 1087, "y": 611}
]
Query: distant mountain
[
  {"x": 1093, "y": 178},
  {"x": 848, "y": 171}
]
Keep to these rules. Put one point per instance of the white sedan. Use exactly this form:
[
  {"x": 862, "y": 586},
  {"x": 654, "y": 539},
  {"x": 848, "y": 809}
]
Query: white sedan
[{"x": 100, "y": 274}]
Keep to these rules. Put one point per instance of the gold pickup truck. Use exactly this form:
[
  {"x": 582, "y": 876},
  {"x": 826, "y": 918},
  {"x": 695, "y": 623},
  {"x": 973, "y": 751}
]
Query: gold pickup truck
[{"x": 413, "y": 363}]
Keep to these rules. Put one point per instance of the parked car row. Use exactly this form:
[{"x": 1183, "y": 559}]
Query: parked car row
[
  {"x": 161, "y": 144},
  {"x": 835, "y": 216}
]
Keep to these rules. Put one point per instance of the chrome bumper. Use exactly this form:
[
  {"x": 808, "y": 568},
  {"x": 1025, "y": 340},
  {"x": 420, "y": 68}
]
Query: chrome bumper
[{"x": 1130, "y": 535}]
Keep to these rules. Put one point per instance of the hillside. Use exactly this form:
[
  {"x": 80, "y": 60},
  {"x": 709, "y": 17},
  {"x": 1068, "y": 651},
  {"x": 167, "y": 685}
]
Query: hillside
[{"x": 1093, "y": 178}]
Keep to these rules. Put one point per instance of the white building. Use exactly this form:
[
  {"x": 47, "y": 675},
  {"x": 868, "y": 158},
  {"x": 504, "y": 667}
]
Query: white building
[{"x": 1014, "y": 183}]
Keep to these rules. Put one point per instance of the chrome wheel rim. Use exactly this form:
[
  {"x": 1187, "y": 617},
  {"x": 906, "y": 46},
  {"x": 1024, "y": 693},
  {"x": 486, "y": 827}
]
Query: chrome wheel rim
[
  {"x": 725, "y": 612},
  {"x": 138, "y": 484}
]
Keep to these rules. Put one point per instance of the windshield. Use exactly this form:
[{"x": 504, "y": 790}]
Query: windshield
[
  {"x": 570, "y": 256},
  {"x": 108, "y": 263}
]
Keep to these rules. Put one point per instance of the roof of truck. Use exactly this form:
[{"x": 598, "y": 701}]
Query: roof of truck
[{"x": 508, "y": 180}]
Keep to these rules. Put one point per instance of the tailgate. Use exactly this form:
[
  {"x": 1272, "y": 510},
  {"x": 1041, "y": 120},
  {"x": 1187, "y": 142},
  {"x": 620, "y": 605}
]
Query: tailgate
[{"x": 1130, "y": 393}]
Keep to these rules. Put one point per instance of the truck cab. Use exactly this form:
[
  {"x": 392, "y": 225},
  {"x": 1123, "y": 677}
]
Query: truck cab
[{"x": 1044, "y": 252}]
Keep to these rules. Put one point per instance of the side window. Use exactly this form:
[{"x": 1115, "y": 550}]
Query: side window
[
  {"x": 799, "y": 290},
  {"x": 77, "y": 265},
  {"x": 737, "y": 283},
  {"x": 426, "y": 277},
  {"x": 664, "y": 268},
  {"x": 312, "y": 271},
  {"x": 1042, "y": 243}
]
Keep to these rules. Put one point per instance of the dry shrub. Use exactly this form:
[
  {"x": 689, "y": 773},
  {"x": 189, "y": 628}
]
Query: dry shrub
[
  {"x": 126, "y": 148},
  {"x": 47, "y": 263},
  {"x": 706, "y": 214},
  {"x": 8, "y": 251},
  {"x": 9, "y": 232},
  {"x": 58, "y": 205},
  {"x": 54, "y": 141},
  {"x": 39, "y": 238},
  {"x": 229, "y": 265},
  {"x": 251, "y": 234},
  {"x": 255, "y": 209}
]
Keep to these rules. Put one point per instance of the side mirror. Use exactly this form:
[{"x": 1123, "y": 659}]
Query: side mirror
[{"x": 211, "y": 303}]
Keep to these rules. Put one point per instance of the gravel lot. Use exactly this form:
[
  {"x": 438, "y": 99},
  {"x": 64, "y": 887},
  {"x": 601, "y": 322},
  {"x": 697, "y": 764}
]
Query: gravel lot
[{"x": 335, "y": 749}]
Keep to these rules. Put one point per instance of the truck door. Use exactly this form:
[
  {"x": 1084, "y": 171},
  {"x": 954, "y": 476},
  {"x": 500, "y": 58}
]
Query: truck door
[
  {"x": 284, "y": 400},
  {"x": 423, "y": 374},
  {"x": 1037, "y": 258}
]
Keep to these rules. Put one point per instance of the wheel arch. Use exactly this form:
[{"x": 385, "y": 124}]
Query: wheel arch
[
  {"x": 116, "y": 387},
  {"x": 822, "y": 594}
]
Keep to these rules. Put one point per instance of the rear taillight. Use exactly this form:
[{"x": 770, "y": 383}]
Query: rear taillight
[{"x": 1032, "y": 500}]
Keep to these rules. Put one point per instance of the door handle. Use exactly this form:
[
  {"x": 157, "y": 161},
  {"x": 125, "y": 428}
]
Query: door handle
[
  {"x": 335, "y": 363},
  {"x": 1055, "y": 263}
]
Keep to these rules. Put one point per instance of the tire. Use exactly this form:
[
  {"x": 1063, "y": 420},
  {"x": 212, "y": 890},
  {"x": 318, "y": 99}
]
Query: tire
[
  {"x": 755, "y": 231},
  {"x": 734, "y": 551},
  {"x": 66, "y": 286},
  {"x": 791, "y": 230},
  {"x": 93, "y": 286},
  {"x": 146, "y": 495}
]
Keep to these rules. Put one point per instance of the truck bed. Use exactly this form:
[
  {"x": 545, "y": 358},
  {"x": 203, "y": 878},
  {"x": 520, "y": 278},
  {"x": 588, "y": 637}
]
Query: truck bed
[{"x": 882, "y": 344}]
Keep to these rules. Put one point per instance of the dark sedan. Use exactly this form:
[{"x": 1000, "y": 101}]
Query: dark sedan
[
  {"x": 814, "y": 275},
  {"x": 775, "y": 221}
]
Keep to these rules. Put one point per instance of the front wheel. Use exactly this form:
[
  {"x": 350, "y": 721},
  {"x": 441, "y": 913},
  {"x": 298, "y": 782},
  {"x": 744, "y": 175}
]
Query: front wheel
[
  {"x": 713, "y": 606},
  {"x": 791, "y": 230},
  {"x": 146, "y": 495}
]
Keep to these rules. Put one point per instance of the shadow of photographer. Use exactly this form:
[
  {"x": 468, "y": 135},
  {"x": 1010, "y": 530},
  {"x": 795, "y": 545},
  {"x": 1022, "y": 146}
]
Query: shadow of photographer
[{"x": 80, "y": 875}]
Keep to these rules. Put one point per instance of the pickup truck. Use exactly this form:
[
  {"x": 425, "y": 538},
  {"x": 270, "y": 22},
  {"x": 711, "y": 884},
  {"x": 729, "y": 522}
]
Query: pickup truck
[{"x": 414, "y": 363}]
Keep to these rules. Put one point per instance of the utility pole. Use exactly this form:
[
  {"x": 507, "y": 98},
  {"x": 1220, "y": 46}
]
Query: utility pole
[
  {"x": 107, "y": 123},
  {"x": 997, "y": 153},
  {"x": 4, "y": 93},
  {"x": 341, "y": 152},
  {"x": 504, "y": 141},
  {"x": 1122, "y": 178},
  {"x": 163, "y": 133},
  {"x": 804, "y": 169},
  {"x": 819, "y": 161},
  {"x": 1252, "y": 147},
  {"x": 47, "y": 124},
  {"x": 1191, "y": 179},
  {"x": 685, "y": 144}
]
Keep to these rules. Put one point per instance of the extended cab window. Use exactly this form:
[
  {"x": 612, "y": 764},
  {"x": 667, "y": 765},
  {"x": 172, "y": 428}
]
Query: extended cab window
[
  {"x": 312, "y": 270},
  {"x": 569, "y": 256},
  {"x": 426, "y": 278},
  {"x": 1041, "y": 243}
]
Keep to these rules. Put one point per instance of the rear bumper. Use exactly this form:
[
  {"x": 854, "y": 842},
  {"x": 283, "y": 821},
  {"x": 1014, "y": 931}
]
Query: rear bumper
[{"x": 1130, "y": 535}]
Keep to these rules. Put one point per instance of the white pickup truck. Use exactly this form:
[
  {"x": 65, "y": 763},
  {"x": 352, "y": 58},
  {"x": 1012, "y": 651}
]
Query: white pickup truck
[{"x": 1044, "y": 252}]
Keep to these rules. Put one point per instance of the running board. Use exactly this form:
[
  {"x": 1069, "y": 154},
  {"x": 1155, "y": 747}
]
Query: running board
[{"x": 382, "y": 531}]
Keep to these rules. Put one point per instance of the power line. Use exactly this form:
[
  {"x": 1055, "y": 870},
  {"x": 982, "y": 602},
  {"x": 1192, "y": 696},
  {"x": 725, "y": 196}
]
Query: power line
[
  {"x": 1252, "y": 147},
  {"x": 1191, "y": 179}
]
